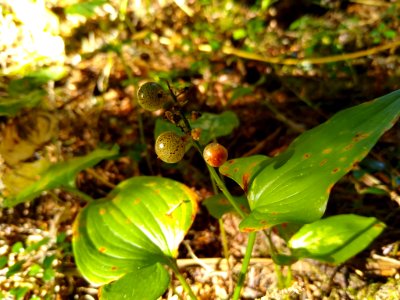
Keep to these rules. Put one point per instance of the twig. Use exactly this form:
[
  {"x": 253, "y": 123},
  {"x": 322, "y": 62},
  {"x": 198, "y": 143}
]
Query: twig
[{"x": 312, "y": 60}]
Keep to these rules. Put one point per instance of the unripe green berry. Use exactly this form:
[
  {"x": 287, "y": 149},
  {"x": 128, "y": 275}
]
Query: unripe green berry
[
  {"x": 152, "y": 96},
  {"x": 170, "y": 147},
  {"x": 215, "y": 154}
]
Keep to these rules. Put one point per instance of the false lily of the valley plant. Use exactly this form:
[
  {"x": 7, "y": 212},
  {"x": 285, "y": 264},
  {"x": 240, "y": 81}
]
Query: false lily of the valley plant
[{"x": 127, "y": 241}]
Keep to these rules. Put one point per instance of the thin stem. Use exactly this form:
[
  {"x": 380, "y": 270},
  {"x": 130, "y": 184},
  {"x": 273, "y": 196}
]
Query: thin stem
[
  {"x": 172, "y": 264},
  {"x": 245, "y": 265},
  {"x": 78, "y": 193},
  {"x": 225, "y": 191},
  {"x": 139, "y": 116},
  {"x": 100, "y": 178},
  {"x": 214, "y": 175},
  {"x": 311, "y": 60}
]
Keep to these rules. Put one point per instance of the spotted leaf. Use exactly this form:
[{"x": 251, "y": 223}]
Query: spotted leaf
[
  {"x": 140, "y": 223},
  {"x": 335, "y": 239},
  {"x": 295, "y": 186}
]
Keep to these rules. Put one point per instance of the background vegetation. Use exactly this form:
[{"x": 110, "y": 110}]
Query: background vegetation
[{"x": 69, "y": 75}]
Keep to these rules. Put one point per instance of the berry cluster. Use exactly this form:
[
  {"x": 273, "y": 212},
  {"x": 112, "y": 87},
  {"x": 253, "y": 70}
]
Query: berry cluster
[{"x": 169, "y": 146}]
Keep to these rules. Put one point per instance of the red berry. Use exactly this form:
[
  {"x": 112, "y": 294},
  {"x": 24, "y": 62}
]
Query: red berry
[{"x": 215, "y": 154}]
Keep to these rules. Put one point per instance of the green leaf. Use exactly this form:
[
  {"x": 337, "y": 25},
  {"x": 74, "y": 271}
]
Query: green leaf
[
  {"x": 240, "y": 92},
  {"x": 15, "y": 268},
  {"x": 242, "y": 170},
  {"x": 335, "y": 239},
  {"x": 294, "y": 187},
  {"x": 218, "y": 205},
  {"x": 86, "y": 9},
  {"x": 48, "y": 261},
  {"x": 37, "y": 245},
  {"x": 35, "y": 80},
  {"x": 239, "y": 33},
  {"x": 3, "y": 261},
  {"x": 140, "y": 223},
  {"x": 154, "y": 278},
  {"x": 17, "y": 247},
  {"x": 212, "y": 126},
  {"x": 49, "y": 274},
  {"x": 10, "y": 106},
  {"x": 34, "y": 270},
  {"x": 19, "y": 292},
  {"x": 60, "y": 175}
]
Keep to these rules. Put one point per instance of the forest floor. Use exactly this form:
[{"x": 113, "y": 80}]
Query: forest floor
[{"x": 92, "y": 101}]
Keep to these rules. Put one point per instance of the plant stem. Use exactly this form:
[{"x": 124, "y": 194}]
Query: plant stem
[
  {"x": 172, "y": 264},
  {"x": 225, "y": 191},
  {"x": 214, "y": 174},
  {"x": 78, "y": 193},
  {"x": 139, "y": 116},
  {"x": 245, "y": 265}
]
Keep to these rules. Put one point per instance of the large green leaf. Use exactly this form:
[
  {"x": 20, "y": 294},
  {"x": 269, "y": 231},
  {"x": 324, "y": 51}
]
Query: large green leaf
[
  {"x": 335, "y": 239},
  {"x": 147, "y": 283},
  {"x": 295, "y": 186},
  {"x": 212, "y": 126},
  {"x": 59, "y": 175},
  {"x": 140, "y": 223}
]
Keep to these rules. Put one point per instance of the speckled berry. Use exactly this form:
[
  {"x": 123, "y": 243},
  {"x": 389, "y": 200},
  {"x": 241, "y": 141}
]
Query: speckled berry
[
  {"x": 170, "y": 147},
  {"x": 152, "y": 96},
  {"x": 215, "y": 154}
]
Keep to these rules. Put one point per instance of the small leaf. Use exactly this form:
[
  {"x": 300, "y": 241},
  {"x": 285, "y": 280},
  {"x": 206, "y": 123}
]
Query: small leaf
[
  {"x": 3, "y": 261},
  {"x": 218, "y": 205},
  {"x": 34, "y": 270},
  {"x": 214, "y": 126},
  {"x": 140, "y": 223},
  {"x": 15, "y": 268},
  {"x": 154, "y": 278},
  {"x": 17, "y": 247},
  {"x": 294, "y": 187},
  {"x": 59, "y": 175},
  {"x": 48, "y": 261},
  {"x": 335, "y": 239},
  {"x": 10, "y": 106},
  {"x": 19, "y": 292},
  {"x": 49, "y": 274},
  {"x": 86, "y": 9},
  {"x": 37, "y": 245}
]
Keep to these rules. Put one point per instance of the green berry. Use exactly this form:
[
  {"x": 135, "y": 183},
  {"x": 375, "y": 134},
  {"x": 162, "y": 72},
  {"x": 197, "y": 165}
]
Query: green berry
[
  {"x": 215, "y": 154},
  {"x": 170, "y": 147},
  {"x": 152, "y": 96}
]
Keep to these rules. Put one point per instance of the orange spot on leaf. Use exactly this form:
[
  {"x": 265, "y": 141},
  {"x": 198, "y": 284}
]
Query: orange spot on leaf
[
  {"x": 223, "y": 201},
  {"x": 323, "y": 162},
  {"x": 245, "y": 181},
  {"x": 136, "y": 201},
  {"x": 235, "y": 170},
  {"x": 114, "y": 268},
  {"x": 232, "y": 161},
  {"x": 306, "y": 155},
  {"x": 327, "y": 151},
  {"x": 102, "y": 249},
  {"x": 102, "y": 211},
  {"x": 360, "y": 136},
  {"x": 335, "y": 170},
  {"x": 348, "y": 147}
]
